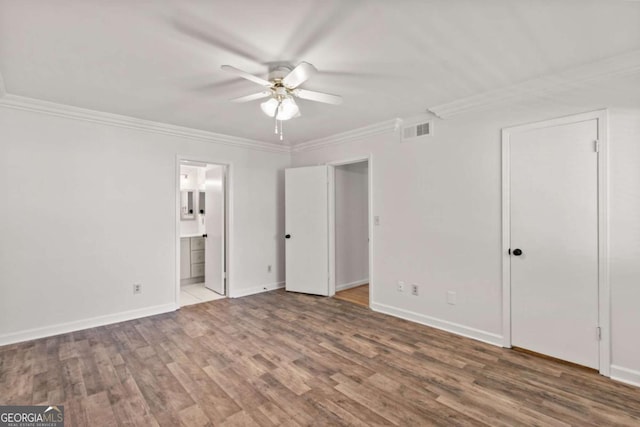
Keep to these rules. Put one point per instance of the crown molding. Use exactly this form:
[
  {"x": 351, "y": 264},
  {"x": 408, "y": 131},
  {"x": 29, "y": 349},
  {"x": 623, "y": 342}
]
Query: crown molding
[
  {"x": 60, "y": 110},
  {"x": 573, "y": 78},
  {"x": 349, "y": 136}
]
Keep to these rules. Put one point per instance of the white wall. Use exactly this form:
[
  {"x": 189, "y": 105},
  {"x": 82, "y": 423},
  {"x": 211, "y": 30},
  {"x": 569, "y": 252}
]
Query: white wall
[
  {"x": 97, "y": 212},
  {"x": 194, "y": 177},
  {"x": 352, "y": 225},
  {"x": 439, "y": 203}
]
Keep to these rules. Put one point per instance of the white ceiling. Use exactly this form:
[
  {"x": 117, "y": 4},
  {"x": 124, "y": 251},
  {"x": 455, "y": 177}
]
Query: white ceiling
[{"x": 160, "y": 60}]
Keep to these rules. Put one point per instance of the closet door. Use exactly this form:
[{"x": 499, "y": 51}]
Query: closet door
[{"x": 554, "y": 241}]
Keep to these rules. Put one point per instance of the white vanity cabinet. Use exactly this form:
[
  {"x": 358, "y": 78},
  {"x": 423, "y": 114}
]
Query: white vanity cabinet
[
  {"x": 192, "y": 259},
  {"x": 185, "y": 258}
]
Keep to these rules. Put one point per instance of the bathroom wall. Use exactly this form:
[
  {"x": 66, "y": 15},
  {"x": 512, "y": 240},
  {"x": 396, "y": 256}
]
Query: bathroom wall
[{"x": 194, "y": 181}]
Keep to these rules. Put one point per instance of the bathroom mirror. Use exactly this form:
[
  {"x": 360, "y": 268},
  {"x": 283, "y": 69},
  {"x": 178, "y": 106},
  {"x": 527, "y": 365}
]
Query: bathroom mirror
[
  {"x": 187, "y": 205},
  {"x": 201, "y": 195}
]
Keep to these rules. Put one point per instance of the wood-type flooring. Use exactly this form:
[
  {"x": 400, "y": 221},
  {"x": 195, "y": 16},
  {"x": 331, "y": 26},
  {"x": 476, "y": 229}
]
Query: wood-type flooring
[
  {"x": 285, "y": 359},
  {"x": 358, "y": 295}
]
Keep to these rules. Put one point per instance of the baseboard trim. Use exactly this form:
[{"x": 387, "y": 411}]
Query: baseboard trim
[
  {"x": 625, "y": 375},
  {"x": 444, "y": 325},
  {"x": 257, "y": 290},
  {"x": 350, "y": 285},
  {"x": 78, "y": 325}
]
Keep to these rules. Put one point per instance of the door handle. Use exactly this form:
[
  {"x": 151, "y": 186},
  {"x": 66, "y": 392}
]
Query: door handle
[
  {"x": 287, "y": 236},
  {"x": 517, "y": 252},
  {"x": 205, "y": 236}
]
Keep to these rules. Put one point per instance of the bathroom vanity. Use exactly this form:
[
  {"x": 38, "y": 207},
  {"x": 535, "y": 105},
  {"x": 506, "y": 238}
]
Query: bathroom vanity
[{"x": 191, "y": 259}]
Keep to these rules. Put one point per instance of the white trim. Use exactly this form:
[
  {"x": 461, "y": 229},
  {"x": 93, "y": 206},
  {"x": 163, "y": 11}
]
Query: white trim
[
  {"x": 257, "y": 290},
  {"x": 228, "y": 190},
  {"x": 625, "y": 375},
  {"x": 454, "y": 328},
  {"x": 369, "y": 159},
  {"x": 628, "y": 63},
  {"x": 349, "y": 136},
  {"x": 78, "y": 325},
  {"x": 349, "y": 161},
  {"x": 371, "y": 239},
  {"x": 331, "y": 229},
  {"x": 604, "y": 287},
  {"x": 350, "y": 285},
  {"x": 67, "y": 111}
]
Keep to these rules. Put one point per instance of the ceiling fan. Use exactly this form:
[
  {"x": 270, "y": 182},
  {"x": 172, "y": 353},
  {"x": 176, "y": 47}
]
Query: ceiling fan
[{"x": 282, "y": 86}]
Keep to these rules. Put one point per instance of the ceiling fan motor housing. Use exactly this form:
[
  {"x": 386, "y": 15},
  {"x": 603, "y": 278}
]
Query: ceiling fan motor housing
[{"x": 279, "y": 73}]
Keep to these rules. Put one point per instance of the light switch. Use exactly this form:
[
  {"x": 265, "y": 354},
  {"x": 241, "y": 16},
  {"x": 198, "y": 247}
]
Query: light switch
[{"x": 376, "y": 220}]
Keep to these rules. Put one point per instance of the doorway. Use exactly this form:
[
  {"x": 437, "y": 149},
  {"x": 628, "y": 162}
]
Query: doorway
[
  {"x": 310, "y": 229},
  {"x": 351, "y": 231},
  {"x": 555, "y": 289},
  {"x": 202, "y": 232}
]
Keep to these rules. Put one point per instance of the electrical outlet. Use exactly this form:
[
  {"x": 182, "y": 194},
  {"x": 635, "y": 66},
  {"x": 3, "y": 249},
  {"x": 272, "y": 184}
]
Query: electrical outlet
[
  {"x": 414, "y": 289},
  {"x": 137, "y": 288},
  {"x": 451, "y": 298},
  {"x": 268, "y": 269},
  {"x": 400, "y": 286}
]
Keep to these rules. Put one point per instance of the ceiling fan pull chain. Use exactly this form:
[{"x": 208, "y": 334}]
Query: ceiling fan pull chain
[
  {"x": 275, "y": 128},
  {"x": 278, "y": 109},
  {"x": 281, "y": 131}
]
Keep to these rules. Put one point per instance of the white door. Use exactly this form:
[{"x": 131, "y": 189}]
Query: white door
[
  {"x": 214, "y": 274},
  {"x": 554, "y": 241},
  {"x": 307, "y": 230}
]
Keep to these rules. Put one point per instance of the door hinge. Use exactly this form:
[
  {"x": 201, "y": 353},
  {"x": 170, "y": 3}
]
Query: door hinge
[
  {"x": 596, "y": 146},
  {"x": 599, "y": 333}
]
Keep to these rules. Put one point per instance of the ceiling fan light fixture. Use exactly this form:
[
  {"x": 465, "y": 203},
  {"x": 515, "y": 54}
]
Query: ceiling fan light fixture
[
  {"x": 269, "y": 107},
  {"x": 288, "y": 109}
]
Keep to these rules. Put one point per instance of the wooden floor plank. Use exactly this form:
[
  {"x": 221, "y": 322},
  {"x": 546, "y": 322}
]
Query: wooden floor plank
[
  {"x": 358, "y": 295},
  {"x": 286, "y": 359}
]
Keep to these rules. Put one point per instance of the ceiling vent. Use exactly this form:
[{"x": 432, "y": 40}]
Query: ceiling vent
[{"x": 417, "y": 132}]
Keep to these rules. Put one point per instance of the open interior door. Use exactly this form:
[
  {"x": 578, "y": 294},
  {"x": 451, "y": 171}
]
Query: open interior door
[
  {"x": 307, "y": 230},
  {"x": 214, "y": 274}
]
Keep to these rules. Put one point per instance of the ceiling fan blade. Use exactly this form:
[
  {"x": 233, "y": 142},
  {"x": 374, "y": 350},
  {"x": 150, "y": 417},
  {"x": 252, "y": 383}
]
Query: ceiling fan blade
[
  {"x": 200, "y": 30},
  {"x": 252, "y": 97},
  {"x": 299, "y": 75},
  {"x": 245, "y": 75},
  {"x": 319, "y": 25},
  {"x": 318, "y": 96}
]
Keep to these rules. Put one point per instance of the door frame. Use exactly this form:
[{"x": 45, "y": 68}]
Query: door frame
[
  {"x": 332, "y": 215},
  {"x": 604, "y": 314},
  {"x": 228, "y": 217}
]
